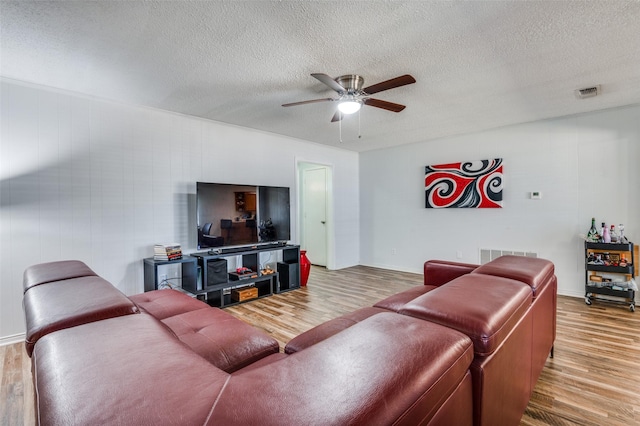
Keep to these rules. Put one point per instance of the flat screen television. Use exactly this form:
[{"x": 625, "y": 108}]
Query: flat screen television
[{"x": 237, "y": 215}]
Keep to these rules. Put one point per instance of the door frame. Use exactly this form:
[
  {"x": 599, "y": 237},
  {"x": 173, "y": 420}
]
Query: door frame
[{"x": 302, "y": 165}]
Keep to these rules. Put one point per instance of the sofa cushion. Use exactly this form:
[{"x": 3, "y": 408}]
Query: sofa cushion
[
  {"x": 531, "y": 271},
  {"x": 166, "y": 303},
  {"x": 222, "y": 339},
  {"x": 328, "y": 329},
  {"x": 128, "y": 370},
  {"x": 386, "y": 369},
  {"x": 397, "y": 301},
  {"x": 62, "y": 304},
  {"x": 485, "y": 308},
  {"x": 54, "y": 271}
]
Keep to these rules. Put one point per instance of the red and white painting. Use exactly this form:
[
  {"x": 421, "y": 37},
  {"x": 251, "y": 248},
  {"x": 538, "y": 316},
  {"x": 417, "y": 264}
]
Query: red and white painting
[{"x": 471, "y": 184}]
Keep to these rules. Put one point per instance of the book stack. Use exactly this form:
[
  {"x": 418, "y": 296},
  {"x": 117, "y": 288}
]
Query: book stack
[{"x": 167, "y": 251}]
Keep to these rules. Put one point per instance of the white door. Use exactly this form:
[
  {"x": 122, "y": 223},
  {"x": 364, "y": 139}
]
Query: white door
[{"x": 315, "y": 215}]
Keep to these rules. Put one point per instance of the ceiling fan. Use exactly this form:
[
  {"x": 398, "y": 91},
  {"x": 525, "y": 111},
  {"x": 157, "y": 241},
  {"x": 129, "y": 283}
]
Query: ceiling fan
[{"x": 352, "y": 96}]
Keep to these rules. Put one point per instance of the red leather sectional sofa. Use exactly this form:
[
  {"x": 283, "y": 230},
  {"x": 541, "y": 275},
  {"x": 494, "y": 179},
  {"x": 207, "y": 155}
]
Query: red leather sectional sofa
[{"x": 464, "y": 348}]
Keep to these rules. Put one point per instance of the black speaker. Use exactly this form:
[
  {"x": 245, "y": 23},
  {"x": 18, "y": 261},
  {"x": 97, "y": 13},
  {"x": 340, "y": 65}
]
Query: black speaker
[
  {"x": 217, "y": 272},
  {"x": 288, "y": 274}
]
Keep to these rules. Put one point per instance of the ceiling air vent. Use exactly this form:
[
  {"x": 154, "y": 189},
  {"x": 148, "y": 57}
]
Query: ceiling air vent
[{"x": 588, "y": 92}]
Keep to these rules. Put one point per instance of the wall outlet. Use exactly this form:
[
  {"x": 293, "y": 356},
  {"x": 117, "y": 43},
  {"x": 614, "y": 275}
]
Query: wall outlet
[
  {"x": 459, "y": 254},
  {"x": 394, "y": 251}
]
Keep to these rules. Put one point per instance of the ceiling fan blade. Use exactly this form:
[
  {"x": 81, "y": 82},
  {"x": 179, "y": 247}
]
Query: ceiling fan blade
[
  {"x": 403, "y": 80},
  {"x": 337, "y": 116},
  {"x": 329, "y": 82},
  {"x": 313, "y": 101},
  {"x": 389, "y": 106}
]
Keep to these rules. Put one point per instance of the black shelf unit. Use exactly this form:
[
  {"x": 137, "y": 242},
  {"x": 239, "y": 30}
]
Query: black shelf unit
[
  {"x": 594, "y": 289},
  {"x": 218, "y": 293},
  {"x": 188, "y": 278}
]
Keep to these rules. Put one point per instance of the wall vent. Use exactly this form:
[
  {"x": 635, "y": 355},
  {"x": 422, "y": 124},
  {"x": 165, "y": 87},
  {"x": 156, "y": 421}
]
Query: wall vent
[
  {"x": 588, "y": 92},
  {"x": 487, "y": 255}
]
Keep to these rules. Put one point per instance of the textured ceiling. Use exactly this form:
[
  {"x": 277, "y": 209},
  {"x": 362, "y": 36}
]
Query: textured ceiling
[{"x": 478, "y": 65}]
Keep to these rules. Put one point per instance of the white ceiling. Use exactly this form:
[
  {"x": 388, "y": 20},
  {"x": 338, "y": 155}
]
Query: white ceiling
[{"x": 478, "y": 65}]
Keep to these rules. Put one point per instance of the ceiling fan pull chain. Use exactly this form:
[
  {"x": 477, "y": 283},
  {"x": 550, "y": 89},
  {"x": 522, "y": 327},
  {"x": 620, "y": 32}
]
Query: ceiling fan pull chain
[
  {"x": 359, "y": 132},
  {"x": 340, "y": 125}
]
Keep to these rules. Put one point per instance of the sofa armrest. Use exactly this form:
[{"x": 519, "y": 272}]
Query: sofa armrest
[
  {"x": 69, "y": 303},
  {"x": 439, "y": 272},
  {"x": 537, "y": 273},
  {"x": 44, "y": 273}
]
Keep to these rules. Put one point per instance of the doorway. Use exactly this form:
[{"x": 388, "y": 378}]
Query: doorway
[{"x": 315, "y": 212}]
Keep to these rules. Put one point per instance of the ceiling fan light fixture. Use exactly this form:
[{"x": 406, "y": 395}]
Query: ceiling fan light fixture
[
  {"x": 352, "y": 96},
  {"x": 349, "y": 106}
]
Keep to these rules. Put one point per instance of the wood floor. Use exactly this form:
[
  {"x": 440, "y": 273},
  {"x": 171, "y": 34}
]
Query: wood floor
[{"x": 594, "y": 378}]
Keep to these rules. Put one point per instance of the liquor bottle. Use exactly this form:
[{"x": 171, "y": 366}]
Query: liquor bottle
[
  {"x": 606, "y": 237},
  {"x": 622, "y": 239},
  {"x": 592, "y": 235},
  {"x": 602, "y": 229},
  {"x": 614, "y": 234}
]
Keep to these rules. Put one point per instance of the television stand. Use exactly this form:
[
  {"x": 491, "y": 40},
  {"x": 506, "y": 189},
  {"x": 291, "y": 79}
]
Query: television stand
[{"x": 216, "y": 288}]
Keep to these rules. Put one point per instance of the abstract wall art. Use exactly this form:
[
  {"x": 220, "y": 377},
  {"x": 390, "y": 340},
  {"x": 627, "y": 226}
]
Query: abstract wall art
[{"x": 471, "y": 184}]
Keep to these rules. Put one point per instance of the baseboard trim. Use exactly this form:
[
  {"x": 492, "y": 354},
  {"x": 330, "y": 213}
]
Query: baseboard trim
[
  {"x": 10, "y": 340},
  {"x": 391, "y": 268}
]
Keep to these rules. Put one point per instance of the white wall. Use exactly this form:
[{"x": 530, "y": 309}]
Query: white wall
[
  {"x": 82, "y": 178},
  {"x": 584, "y": 165}
]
